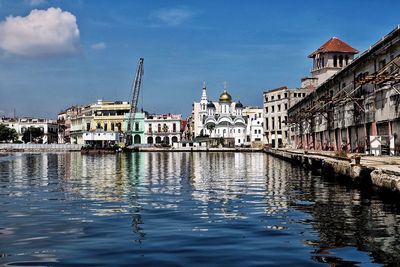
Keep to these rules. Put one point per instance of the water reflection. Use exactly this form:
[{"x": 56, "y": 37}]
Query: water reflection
[{"x": 177, "y": 207}]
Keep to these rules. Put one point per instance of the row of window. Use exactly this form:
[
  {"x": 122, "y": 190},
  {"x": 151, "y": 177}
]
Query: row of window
[
  {"x": 114, "y": 127},
  {"x": 278, "y": 97},
  {"x": 223, "y": 131},
  {"x": 164, "y": 128},
  {"x": 280, "y": 121},
  {"x": 278, "y": 108},
  {"x": 299, "y": 94},
  {"x": 337, "y": 61},
  {"x": 257, "y": 131},
  {"x": 23, "y": 129},
  {"x": 285, "y": 96}
]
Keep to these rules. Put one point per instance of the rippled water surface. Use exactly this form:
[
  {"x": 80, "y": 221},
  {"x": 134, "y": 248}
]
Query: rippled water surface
[{"x": 186, "y": 209}]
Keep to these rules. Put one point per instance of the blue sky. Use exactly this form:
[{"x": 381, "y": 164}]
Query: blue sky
[{"x": 253, "y": 45}]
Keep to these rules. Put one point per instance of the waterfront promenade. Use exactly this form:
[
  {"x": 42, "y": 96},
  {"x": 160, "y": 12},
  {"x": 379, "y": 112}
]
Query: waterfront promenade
[{"x": 380, "y": 171}]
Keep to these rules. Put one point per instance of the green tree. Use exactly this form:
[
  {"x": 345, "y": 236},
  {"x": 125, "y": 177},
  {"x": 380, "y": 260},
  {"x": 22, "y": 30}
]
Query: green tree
[
  {"x": 7, "y": 134},
  {"x": 33, "y": 134}
]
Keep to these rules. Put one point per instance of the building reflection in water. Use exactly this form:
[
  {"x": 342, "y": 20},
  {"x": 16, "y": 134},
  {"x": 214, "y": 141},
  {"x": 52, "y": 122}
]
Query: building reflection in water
[{"x": 216, "y": 187}]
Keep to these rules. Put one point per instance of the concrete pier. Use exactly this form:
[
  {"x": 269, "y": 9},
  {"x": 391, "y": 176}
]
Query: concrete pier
[{"x": 382, "y": 172}]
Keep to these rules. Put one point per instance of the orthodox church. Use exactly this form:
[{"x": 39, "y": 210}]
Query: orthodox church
[{"x": 219, "y": 119}]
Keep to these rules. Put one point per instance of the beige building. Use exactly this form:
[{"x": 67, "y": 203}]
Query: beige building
[
  {"x": 106, "y": 116},
  {"x": 276, "y": 104},
  {"x": 357, "y": 108},
  {"x": 64, "y": 123}
]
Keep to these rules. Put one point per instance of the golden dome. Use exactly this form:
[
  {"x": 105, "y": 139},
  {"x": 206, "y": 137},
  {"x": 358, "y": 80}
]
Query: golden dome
[{"x": 225, "y": 97}]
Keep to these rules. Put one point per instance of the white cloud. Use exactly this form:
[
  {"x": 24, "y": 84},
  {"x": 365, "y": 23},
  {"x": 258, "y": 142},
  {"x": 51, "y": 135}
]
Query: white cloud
[
  {"x": 172, "y": 16},
  {"x": 41, "y": 33},
  {"x": 98, "y": 46},
  {"x": 37, "y": 2}
]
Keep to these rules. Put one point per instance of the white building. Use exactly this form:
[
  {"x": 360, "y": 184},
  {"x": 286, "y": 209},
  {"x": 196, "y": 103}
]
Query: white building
[
  {"x": 254, "y": 130},
  {"x": 47, "y": 126},
  {"x": 162, "y": 129},
  {"x": 219, "y": 119}
]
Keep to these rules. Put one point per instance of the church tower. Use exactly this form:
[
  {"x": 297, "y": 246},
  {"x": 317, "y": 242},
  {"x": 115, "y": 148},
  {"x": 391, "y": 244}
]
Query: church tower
[
  {"x": 203, "y": 104},
  {"x": 225, "y": 101}
]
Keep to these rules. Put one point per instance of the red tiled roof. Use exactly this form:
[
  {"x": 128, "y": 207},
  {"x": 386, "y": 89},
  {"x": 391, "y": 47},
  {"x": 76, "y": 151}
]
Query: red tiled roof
[{"x": 334, "y": 45}]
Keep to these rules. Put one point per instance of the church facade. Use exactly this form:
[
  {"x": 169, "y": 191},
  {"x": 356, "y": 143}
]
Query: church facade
[{"x": 219, "y": 119}]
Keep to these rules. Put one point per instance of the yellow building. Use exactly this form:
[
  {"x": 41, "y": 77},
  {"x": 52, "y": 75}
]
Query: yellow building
[{"x": 103, "y": 116}]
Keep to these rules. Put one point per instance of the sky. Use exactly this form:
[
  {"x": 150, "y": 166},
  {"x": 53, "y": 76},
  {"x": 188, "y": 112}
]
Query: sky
[{"x": 55, "y": 54}]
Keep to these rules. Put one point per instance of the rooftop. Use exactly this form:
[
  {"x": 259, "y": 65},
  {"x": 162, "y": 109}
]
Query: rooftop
[
  {"x": 334, "y": 45},
  {"x": 277, "y": 89}
]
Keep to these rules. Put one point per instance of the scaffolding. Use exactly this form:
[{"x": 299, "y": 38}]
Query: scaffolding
[{"x": 387, "y": 77}]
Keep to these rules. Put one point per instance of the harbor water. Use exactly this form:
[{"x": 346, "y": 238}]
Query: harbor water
[{"x": 187, "y": 209}]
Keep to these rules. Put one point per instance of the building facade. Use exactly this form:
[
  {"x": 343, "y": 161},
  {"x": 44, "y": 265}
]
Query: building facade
[
  {"x": 64, "y": 124},
  {"x": 357, "y": 108},
  {"x": 134, "y": 128},
  {"x": 162, "y": 129},
  {"x": 47, "y": 126},
  {"x": 219, "y": 119},
  {"x": 255, "y": 129},
  {"x": 276, "y": 104},
  {"x": 107, "y": 116}
]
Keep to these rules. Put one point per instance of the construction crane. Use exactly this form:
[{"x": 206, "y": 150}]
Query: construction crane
[{"x": 136, "y": 85}]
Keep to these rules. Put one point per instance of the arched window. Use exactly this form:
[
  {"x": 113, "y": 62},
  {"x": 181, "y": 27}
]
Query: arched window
[
  {"x": 159, "y": 127},
  {"x": 166, "y": 140},
  {"x": 322, "y": 62},
  {"x": 158, "y": 140},
  {"x": 112, "y": 127},
  {"x": 136, "y": 139},
  {"x": 340, "y": 61},
  {"x": 174, "y": 127},
  {"x": 335, "y": 61},
  {"x": 174, "y": 139},
  {"x": 150, "y": 140},
  {"x": 136, "y": 126},
  {"x": 346, "y": 58}
]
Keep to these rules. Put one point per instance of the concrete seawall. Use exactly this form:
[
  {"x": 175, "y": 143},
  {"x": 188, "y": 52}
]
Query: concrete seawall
[
  {"x": 196, "y": 149},
  {"x": 39, "y": 147},
  {"x": 382, "y": 172}
]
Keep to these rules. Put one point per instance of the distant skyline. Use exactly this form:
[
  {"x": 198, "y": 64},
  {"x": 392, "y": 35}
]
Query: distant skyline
[{"x": 54, "y": 54}]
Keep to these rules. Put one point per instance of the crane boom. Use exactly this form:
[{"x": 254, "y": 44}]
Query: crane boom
[{"x": 136, "y": 85}]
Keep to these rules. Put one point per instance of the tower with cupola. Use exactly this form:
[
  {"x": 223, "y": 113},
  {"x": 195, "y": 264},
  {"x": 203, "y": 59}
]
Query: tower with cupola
[{"x": 331, "y": 57}]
